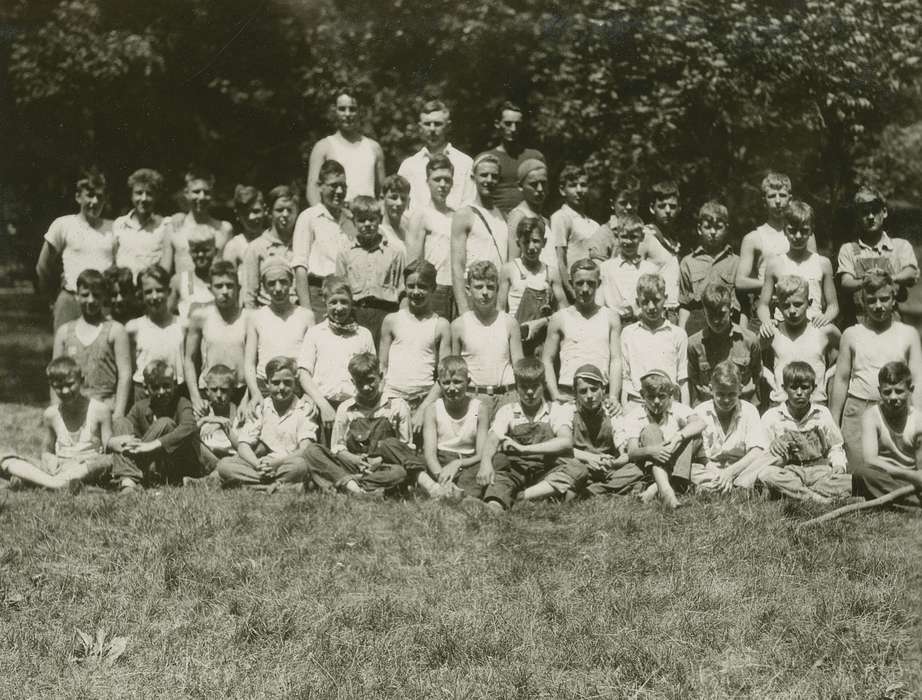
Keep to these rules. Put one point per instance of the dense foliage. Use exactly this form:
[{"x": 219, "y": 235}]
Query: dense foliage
[{"x": 710, "y": 92}]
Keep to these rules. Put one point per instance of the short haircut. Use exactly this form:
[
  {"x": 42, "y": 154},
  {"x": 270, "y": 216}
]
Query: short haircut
[
  {"x": 439, "y": 162},
  {"x": 775, "y": 181},
  {"x": 875, "y": 280},
  {"x": 158, "y": 370},
  {"x": 245, "y": 196},
  {"x": 452, "y": 364},
  {"x": 789, "y": 285},
  {"x": 223, "y": 268},
  {"x": 570, "y": 174},
  {"x": 798, "y": 213},
  {"x": 655, "y": 383},
  {"x": 423, "y": 269},
  {"x": 586, "y": 264},
  {"x": 364, "y": 207},
  {"x": 335, "y": 285},
  {"x": 396, "y": 183},
  {"x": 866, "y": 193},
  {"x": 726, "y": 373},
  {"x": 222, "y": 372},
  {"x": 430, "y": 106},
  {"x": 482, "y": 270},
  {"x": 349, "y": 91},
  {"x": 91, "y": 180},
  {"x": 198, "y": 239},
  {"x": 630, "y": 222},
  {"x": 194, "y": 174},
  {"x": 277, "y": 364},
  {"x": 650, "y": 283},
  {"x": 330, "y": 168},
  {"x": 528, "y": 369},
  {"x": 527, "y": 226},
  {"x": 508, "y": 106},
  {"x": 363, "y": 364},
  {"x": 625, "y": 183},
  {"x": 93, "y": 280},
  {"x": 798, "y": 371},
  {"x": 716, "y": 296},
  {"x": 156, "y": 273},
  {"x": 663, "y": 190},
  {"x": 714, "y": 210},
  {"x": 146, "y": 177},
  {"x": 62, "y": 368},
  {"x": 281, "y": 192},
  {"x": 121, "y": 277},
  {"x": 895, "y": 373}
]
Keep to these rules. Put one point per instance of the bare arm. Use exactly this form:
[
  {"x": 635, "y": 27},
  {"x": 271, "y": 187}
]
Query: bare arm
[
  {"x": 502, "y": 294},
  {"x": 387, "y": 337},
  {"x": 166, "y": 252},
  {"x": 560, "y": 444},
  {"x": 249, "y": 360},
  {"x": 615, "y": 362},
  {"x": 48, "y": 261},
  {"x": 831, "y": 312},
  {"x": 915, "y": 366},
  {"x": 121, "y": 348},
  {"x": 745, "y": 282},
  {"x": 548, "y": 354},
  {"x": 842, "y": 377},
  {"x": 380, "y": 174},
  {"x": 515, "y": 340},
  {"x": 191, "y": 357},
  {"x": 317, "y": 157},
  {"x": 460, "y": 229},
  {"x": 416, "y": 236},
  {"x": 763, "y": 311},
  {"x": 172, "y": 302},
  {"x": 560, "y": 296}
]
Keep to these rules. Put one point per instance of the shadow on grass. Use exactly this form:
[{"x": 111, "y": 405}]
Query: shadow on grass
[{"x": 25, "y": 346}]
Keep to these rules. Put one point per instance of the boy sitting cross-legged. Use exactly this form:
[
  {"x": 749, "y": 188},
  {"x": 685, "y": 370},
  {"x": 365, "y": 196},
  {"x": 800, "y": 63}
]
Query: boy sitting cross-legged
[
  {"x": 594, "y": 438},
  {"x": 522, "y": 457},
  {"x": 157, "y": 442},
  {"x": 371, "y": 445},
  {"x": 76, "y": 430},
  {"x": 455, "y": 430},
  {"x": 271, "y": 446},
  {"x": 218, "y": 419},
  {"x": 892, "y": 438},
  {"x": 807, "y": 460},
  {"x": 733, "y": 439},
  {"x": 659, "y": 436}
]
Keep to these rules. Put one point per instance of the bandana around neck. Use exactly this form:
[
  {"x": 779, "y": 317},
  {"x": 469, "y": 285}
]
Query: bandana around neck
[{"x": 349, "y": 328}]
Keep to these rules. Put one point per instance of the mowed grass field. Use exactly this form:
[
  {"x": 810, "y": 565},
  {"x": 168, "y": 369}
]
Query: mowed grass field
[{"x": 242, "y": 595}]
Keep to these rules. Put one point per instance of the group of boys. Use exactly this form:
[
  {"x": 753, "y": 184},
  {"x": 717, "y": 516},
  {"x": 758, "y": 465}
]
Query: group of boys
[{"x": 647, "y": 379}]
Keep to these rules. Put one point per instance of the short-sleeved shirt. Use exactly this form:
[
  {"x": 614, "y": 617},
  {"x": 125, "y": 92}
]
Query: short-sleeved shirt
[
  {"x": 893, "y": 255},
  {"x": 281, "y": 433},
  {"x": 81, "y": 246},
  {"x": 414, "y": 170},
  {"x": 137, "y": 246},
  {"x": 577, "y": 233},
  {"x": 375, "y": 272},
  {"x": 618, "y": 283},
  {"x": 644, "y": 349},
  {"x": 511, "y": 415},
  {"x": 260, "y": 250},
  {"x": 508, "y": 193},
  {"x": 395, "y": 410},
  {"x": 817, "y": 430},
  {"x": 697, "y": 271},
  {"x": 671, "y": 422},
  {"x": 325, "y": 354},
  {"x": 744, "y": 433},
  {"x": 872, "y": 350},
  {"x": 706, "y": 350},
  {"x": 326, "y": 235}
]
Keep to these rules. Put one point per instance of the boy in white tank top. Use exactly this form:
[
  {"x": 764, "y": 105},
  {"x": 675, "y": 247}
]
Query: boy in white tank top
[
  {"x": 801, "y": 262},
  {"x": 488, "y": 339},
  {"x": 197, "y": 223},
  {"x": 584, "y": 333},
  {"x": 454, "y": 431},
  {"x": 76, "y": 430},
  {"x": 412, "y": 341}
]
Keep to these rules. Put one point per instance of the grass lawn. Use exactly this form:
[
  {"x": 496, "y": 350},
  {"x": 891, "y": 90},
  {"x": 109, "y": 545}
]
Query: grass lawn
[{"x": 242, "y": 595}]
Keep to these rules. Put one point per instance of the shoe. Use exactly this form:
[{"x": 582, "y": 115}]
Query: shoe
[{"x": 128, "y": 485}]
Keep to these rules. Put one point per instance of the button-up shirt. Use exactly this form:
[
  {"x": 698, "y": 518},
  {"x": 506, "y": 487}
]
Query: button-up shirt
[
  {"x": 372, "y": 272},
  {"x": 644, "y": 349},
  {"x": 817, "y": 427},
  {"x": 744, "y": 433},
  {"x": 671, "y": 422},
  {"x": 268, "y": 245},
  {"x": 706, "y": 350},
  {"x": 699, "y": 269},
  {"x": 282, "y": 433},
  {"x": 414, "y": 170},
  {"x": 138, "y": 246},
  {"x": 511, "y": 415},
  {"x": 324, "y": 235},
  {"x": 618, "y": 283},
  {"x": 395, "y": 410},
  {"x": 893, "y": 255}
]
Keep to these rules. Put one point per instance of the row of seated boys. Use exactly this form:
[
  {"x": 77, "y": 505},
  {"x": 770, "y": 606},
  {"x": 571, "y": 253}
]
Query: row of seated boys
[{"x": 531, "y": 449}]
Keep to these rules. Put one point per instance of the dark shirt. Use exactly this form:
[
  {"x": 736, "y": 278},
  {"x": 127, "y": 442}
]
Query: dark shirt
[
  {"x": 508, "y": 193},
  {"x": 142, "y": 417},
  {"x": 706, "y": 350},
  {"x": 601, "y": 442}
]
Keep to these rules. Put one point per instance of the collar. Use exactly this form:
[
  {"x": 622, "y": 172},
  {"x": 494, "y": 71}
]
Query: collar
[
  {"x": 786, "y": 413},
  {"x": 885, "y": 243},
  {"x": 664, "y": 326},
  {"x": 271, "y": 236},
  {"x": 542, "y": 412},
  {"x": 735, "y": 332},
  {"x": 380, "y": 245},
  {"x": 448, "y": 151},
  {"x": 383, "y": 400},
  {"x": 734, "y": 419},
  {"x": 724, "y": 252},
  {"x": 633, "y": 262},
  {"x": 292, "y": 407},
  {"x": 324, "y": 213}
]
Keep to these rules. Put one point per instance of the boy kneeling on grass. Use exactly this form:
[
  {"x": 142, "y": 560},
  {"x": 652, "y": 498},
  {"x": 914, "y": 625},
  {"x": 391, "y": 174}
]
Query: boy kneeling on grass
[
  {"x": 371, "y": 443},
  {"x": 454, "y": 431},
  {"x": 806, "y": 455},
  {"x": 157, "y": 442},
  {"x": 892, "y": 439},
  {"x": 523, "y": 454},
  {"x": 659, "y": 436},
  {"x": 76, "y": 430},
  {"x": 271, "y": 447}
]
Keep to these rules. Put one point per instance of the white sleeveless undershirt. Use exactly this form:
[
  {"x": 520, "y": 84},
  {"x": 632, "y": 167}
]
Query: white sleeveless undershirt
[
  {"x": 457, "y": 434},
  {"x": 358, "y": 160},
  {"x": 412, "y": 355},
  {"x": 485, "y": 349}
]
